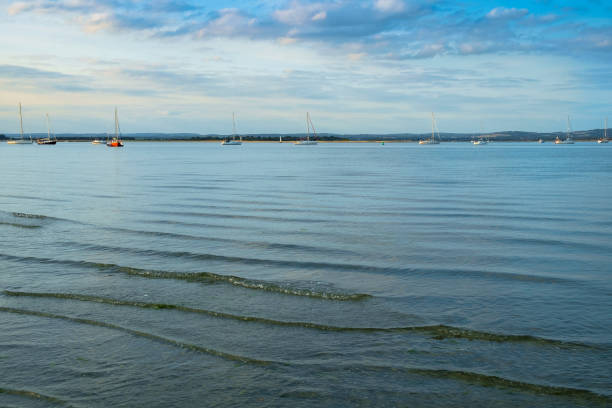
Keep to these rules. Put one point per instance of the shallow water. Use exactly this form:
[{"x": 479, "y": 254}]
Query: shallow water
[{"x": 267, "y": 274}]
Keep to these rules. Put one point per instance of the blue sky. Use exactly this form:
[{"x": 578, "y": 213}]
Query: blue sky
[{"x": 370, "y": 66}]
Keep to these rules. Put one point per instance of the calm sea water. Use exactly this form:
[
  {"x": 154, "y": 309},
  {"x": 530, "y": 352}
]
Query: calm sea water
[{"x": 194, "y": 274}]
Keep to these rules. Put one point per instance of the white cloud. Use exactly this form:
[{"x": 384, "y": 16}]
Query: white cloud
[
  {"x": 356, "y": 56},
  {"x": 298, "y": 13},
  {"x": 230, "y": 22},
  {"x": 389, "y": 6},
  {"x": 322, "y": 15},
  {"x": 17, "y": 8},
  {"x": 503, "y": 12},
  {"x": 286, "y": 40}
]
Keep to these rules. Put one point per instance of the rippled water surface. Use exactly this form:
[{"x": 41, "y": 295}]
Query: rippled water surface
[{"x": 267, "y": 274}]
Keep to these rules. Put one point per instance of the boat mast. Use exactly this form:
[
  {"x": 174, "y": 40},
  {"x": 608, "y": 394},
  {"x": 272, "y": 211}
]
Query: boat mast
[
  {"x": 116, "y": 125},
  {"x": 568, "y": 128},
  {"x": 606, "y": 130},
  {"x": 307, "y": 126},
  {"x": 433, "y": 121},
  {"x": 233, "y": 126},
  {"x": 314, "y": 131},
  {"x": 48, "y": 127},
  {"x": 20, "y": 121}
]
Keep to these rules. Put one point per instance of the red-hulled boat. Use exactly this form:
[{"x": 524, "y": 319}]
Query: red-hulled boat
[{"x": 116, "y": 140}]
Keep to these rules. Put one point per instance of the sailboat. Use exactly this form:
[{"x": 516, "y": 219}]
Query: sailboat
[
  {"x": 47, "y": 140},
  {"x": 116, "y": 140},
  {"x": 434, "y": 128},
  {"x": 568, "y": 138},
  {"x": 307, "y": 141},
  {"x": 481, "y": 140},
  {"x": 97, "y": 141},
  {"x": 233, "y": 140},
  {"x": 20, "y": 140},
  {"x": 605, "y": 138}
]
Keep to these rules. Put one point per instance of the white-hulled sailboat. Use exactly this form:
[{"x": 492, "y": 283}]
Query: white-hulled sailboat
[
  {"x": 47, "y": 140},
  {"x": 233, "y": 141},
  {"x": 21, "y": 140},
  {"x": 605, "y": 137},
  {"x": 307, "y": 141},
  {"x": 116, "y": 140},
  {"x": 434, "y": 128},
  {"x": 568, "y": 138}
]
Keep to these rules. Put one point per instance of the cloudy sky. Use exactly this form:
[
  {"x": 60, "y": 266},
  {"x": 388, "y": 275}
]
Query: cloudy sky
[{"x": 358, "y": 66}]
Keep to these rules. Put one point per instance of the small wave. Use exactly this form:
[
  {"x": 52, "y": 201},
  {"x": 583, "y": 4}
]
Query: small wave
[
  {"x": 322, "y": 265},
  {"x": 17, "y": 225},
  {"x": 33, "y": 395},
  {"x": 233, "y": 216},
  {"x": 483, "y": 380},
  {"x": 242, "y": 282},
  {"x": 25, "y": 215},
  {"x": 259, "y": 244},
  {"x": 200, "y": 277},
  {"x": 150, "y": 336},
  {"x": 500, "y": 382},
  {"x": 437, "y": 332}
]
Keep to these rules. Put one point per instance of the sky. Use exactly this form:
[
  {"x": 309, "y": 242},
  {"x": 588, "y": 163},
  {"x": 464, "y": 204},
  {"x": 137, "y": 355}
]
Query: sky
[{"x": 358, "y": 66}]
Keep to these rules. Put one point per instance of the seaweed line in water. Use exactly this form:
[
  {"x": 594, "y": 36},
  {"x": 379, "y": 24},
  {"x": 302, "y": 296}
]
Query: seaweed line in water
[
  {"x": 437, "y": 332},
  {"x": 207, "y": 277},
  {"x": 33, "y": 395},
  {"x": 150, "y": 336}
]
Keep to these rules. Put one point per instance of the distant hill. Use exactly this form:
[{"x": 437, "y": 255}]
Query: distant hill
[{"x": 505, "y": 136}]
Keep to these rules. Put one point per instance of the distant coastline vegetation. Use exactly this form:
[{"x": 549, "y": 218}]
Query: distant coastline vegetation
[{"x": 506, "y": 136}]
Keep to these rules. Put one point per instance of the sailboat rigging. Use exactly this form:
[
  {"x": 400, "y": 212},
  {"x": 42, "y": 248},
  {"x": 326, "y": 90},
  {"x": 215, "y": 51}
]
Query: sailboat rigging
[
  {"x": 307, "y": 141},
  {"x": 232, "y": 141},
  {"x": 47, "y": 140},
  {"x": 605, "y": 137},
  {"x": 116, "y": 140},
  {"x": 568, "y": 137},
  {"x": 21, "y": 140},
  {"x": 434, "y": 128}
]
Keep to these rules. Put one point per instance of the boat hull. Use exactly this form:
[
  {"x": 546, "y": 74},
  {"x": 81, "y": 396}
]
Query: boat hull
[
  {"x": 305, "y": 143},
  {"x": 428, "y": 142},
  {"x": 115, "y": 144},
  {"x": 231, "y": 143},
  {"x": 46, "y": 142}
]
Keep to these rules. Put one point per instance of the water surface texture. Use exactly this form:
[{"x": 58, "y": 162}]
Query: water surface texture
[{"x": 267, "y": 274}]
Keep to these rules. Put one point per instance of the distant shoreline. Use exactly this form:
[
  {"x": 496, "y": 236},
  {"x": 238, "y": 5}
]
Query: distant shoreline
[{"x": 505, "y": 136}]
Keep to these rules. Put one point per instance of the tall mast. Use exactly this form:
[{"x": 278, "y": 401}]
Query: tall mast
[
  {"x": 433, "y": 121},
  {"x": 606, "y": 129},
  {"x": 314, "y": 131},
  {"x": 308, "y": 126},
  {"x": 48, "y": 128},
  {"x": 568, "y": 127},
  {"x": 20, "y": 121},
  {"x": 116, "y": 125},
  {"x": 233, "y": 126}
]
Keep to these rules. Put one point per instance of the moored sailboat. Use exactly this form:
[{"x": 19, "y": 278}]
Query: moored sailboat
[
  {"x": 307, "y": 141},
  {"x": 232, "y": 141},
  {"x": 116, "y": 140},
  {"x": 21, "y": 140},
  {"x": 568, "y": 138},
  {"x": 605, "y": 137},
  {"x": 47, "y": 140},
  {"x": 434, "y": 128}
]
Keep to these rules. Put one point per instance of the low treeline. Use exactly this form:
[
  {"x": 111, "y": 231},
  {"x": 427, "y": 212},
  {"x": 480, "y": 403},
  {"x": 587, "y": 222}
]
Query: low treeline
[{"x": 506, "y": 136}]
